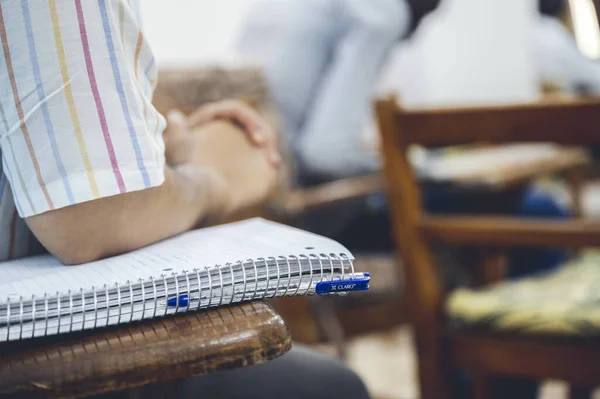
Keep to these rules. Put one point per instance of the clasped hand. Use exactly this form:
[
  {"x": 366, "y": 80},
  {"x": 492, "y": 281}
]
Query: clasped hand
[{"x": 232, "y": 148}]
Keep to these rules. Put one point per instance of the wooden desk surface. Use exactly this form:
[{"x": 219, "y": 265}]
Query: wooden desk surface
[
  {"x": 501, "y": 166},
  {"x": 481, "y": 168},
  {"x": 162, "y": 350}
]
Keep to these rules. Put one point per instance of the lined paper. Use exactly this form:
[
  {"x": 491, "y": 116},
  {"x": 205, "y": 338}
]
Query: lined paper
[
  {"x": 251, "y": 239},
  {"x": 214, "y": 266}
]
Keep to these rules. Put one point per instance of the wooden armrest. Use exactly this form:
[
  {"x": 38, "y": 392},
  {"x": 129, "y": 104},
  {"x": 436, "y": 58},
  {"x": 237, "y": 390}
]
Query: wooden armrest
[
  {"x": 301, "y": 200},
  {"x": 123, "y": 357},
  {"x": 501, "y": 231}
]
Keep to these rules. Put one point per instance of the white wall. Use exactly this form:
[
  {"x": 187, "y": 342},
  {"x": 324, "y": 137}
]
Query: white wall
[
  {"x": 192, "y": 31},
  {"x": 470, "y": 51}
]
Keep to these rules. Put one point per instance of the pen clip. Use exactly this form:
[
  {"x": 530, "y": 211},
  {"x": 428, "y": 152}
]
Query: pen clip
[{"x": 356, "y": 282}]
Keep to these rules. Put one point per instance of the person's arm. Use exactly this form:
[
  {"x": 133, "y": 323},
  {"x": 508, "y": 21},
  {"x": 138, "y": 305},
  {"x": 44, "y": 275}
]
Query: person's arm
[
  {"x": 84, "y": 144},
  {"x": 93, "y": 230},
  {"x": 331, "y": 144},
  {"x": 221, "y": 170}
]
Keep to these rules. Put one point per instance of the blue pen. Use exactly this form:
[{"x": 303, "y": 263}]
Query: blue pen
[
  {"x": 350, "y": 283},
  {"x": 184, "y": 300}
]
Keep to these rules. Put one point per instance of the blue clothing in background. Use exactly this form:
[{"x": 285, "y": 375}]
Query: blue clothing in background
[
  {"x": 367, "y": 227},
  {"x": 526, "y": 261},
  {"x": 533, "y": 204}
]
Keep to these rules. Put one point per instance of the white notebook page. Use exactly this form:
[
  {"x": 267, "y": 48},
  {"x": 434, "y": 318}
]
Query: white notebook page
[{"x": 251, "y": 239}]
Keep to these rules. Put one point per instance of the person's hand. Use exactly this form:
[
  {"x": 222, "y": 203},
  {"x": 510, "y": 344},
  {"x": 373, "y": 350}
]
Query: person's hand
[
  {"x": 257, "y": 129},
  {"x": 244, "y": 161},
  {"x": 178, "y": 139}
]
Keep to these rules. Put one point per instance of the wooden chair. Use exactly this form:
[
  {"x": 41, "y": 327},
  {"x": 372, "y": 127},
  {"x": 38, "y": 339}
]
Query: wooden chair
[
  {"x": 485, "y": 353},
  {"x": 145, "y": 358}
]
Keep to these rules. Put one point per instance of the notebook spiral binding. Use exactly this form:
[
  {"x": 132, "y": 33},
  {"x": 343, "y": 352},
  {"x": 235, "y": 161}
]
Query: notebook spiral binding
[{"x": 193, "y": 290}]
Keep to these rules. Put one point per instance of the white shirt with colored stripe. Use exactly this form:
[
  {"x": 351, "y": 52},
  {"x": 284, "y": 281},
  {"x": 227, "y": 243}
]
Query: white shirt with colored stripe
[
  {"x": 76, "y": 119},
  {"x": 322, "y": 60}
]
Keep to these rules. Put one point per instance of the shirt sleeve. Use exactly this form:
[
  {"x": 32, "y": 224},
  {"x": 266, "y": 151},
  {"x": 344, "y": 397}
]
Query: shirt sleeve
[{"x": 77, "y": 122}]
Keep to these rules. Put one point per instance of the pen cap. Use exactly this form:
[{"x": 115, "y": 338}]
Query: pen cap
[{"x": 357, "y": 282}]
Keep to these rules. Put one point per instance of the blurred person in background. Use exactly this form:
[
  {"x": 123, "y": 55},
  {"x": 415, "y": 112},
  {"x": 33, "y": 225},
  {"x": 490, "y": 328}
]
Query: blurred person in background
[
  {"x": 560, "y": 61},
  {"x": 90, "y": 169},
  {"x": 323, "y": 59}
]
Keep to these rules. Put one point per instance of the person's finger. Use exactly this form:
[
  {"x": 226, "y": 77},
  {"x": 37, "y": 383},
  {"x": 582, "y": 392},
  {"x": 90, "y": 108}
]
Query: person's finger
[
  {"x": 203, "y": 114},
  {"x": 176, "y": 125},
  {"x": 271, "y": 147},
  {"x": 174, "y": 135},
  {"x": 274, "y": 157},
  {"x": 235, "y": 111},
  {"x": 240, "y": 113},
  {"x": 243, "y": 114}
]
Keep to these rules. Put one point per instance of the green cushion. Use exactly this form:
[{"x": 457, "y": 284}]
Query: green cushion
[{"x": 563, "y": 302}]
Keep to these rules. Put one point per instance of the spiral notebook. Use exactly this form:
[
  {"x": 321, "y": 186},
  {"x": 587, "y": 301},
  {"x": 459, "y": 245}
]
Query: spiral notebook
[{"x": 217, "y": 266}]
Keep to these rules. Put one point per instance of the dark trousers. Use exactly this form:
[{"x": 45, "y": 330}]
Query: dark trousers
[{"x": 299, "y": 374}]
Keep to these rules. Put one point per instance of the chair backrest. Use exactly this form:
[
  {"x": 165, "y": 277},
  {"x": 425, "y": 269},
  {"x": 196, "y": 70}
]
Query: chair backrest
[{"x": 565, "y": 122}]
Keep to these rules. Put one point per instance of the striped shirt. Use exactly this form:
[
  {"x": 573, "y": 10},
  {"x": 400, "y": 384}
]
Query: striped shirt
[{"x": 76, "y": 119}]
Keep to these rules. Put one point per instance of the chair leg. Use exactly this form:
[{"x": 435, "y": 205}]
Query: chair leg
[
  {"x": 434, "y": 373},
  {"x": 575, "y": 179},
  {"x": 481, "y": 386},
  {"x": 576, "y": 392},
  {"x": 490, "y": 268},
  {"x": 329, "y": 324}
]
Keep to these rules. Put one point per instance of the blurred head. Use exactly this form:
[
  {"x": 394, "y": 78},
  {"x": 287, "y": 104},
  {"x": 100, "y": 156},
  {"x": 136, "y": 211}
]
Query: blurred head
[
  {"x": 420, "y": 8},
  {"x": 553, "y": 8}
]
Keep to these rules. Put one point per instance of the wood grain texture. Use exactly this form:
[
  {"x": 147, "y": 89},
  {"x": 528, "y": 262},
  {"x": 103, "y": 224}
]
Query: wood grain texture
[
  {"x": 110, "y": 360},
  {"x": 564, "y": 122},
  {"x": 506, "y": 231}
]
